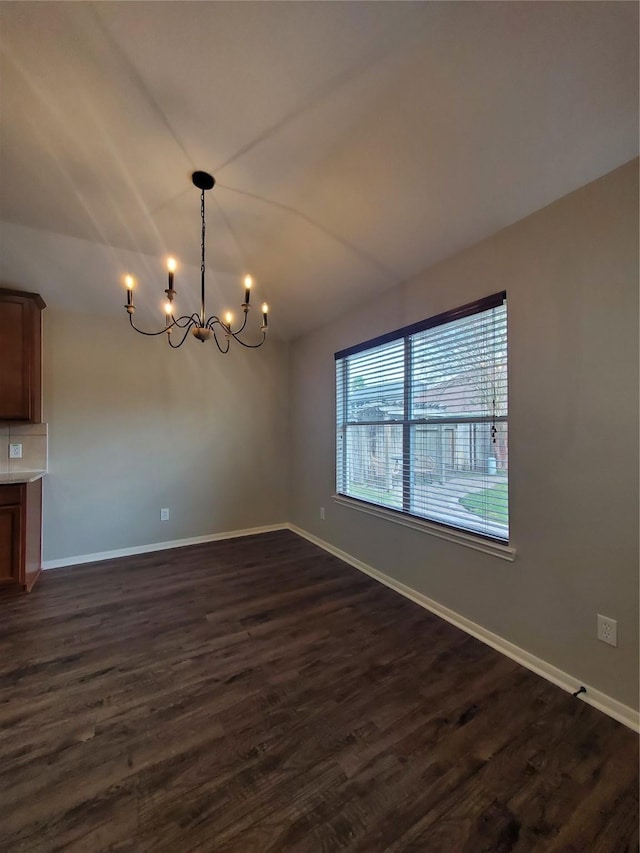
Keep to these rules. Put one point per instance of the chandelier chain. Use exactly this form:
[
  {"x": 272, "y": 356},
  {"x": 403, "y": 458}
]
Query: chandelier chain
[
  {"x": 204, "y": 228},
  {"x": 202, "y": 266}
]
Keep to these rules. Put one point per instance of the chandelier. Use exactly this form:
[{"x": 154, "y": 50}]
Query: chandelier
[{"x": 200, "y": 326}]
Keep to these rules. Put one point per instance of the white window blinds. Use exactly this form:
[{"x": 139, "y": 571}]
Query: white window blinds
[{"x": 422, "y": 419}]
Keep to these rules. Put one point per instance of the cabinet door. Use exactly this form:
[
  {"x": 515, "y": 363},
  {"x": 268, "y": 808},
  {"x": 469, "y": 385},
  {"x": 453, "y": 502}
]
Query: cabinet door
[
  {"x": 20, "y": 354},
  {"x": 10, "y": 528}
]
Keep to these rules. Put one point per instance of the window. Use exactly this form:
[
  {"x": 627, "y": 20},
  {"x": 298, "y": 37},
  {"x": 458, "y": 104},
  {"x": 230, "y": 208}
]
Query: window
[{"x": 422, "y": 420}]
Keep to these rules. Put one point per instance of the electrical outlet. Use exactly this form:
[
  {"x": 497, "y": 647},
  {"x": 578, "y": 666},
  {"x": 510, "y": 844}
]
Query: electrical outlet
[
  {"x": 164, "y": 515},
  {"x": 321, "y": 513},
  {"x": 607, "y": 630},
  {"x": 15, "y": 451}
]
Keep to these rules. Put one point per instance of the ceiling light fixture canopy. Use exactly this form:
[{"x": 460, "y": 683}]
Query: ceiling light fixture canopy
[{"x": 201, "y": 326}]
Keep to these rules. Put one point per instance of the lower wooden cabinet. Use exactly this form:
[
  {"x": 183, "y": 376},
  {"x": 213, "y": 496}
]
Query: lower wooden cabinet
[{"x": 20, "y": 534}]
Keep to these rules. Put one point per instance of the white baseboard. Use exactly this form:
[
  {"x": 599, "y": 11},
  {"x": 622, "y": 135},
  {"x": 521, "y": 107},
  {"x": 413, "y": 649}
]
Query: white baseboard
[
  {"x": 158, "y": 546},
  {"x": 623, "y": 713}
]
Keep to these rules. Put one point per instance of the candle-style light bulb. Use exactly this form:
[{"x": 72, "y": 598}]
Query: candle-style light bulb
[
  {"x": 171, "y": 267},
  {"x": 167, "y": 311},
  {"x": 248, "y": 281},
  {"x": 129, "y": 282},
  {"x": 265, "y": 311},
  {"x": 228, "y": 318}
]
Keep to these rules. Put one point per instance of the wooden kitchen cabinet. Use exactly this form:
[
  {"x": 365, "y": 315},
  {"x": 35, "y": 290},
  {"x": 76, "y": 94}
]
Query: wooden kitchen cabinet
[
  {"x": 20, "y": 534},
  {"x": 20, "y": 356}
]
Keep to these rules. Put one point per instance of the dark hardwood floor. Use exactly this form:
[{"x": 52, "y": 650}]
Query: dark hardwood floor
[{"x": 259, "y": 695}]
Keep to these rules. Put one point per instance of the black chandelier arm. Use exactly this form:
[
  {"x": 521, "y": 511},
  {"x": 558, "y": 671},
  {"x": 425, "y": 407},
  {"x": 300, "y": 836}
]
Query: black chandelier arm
[
  {"x": 185, "y": 321},
  {"x": 142, "y": 332},
  {"x": 182, "y": 339},
  {"x": 215, "y": 320},
  {"x": 215, "y": 338},
  {"x": 249, "y": 346},
  {"x": 241, "y": 329}
]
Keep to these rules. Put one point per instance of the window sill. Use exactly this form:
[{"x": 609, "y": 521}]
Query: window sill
[{"x": 478, "y": 543}]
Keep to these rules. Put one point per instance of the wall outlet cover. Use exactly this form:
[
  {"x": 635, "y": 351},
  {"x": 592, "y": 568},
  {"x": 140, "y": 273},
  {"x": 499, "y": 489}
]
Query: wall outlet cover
[
  {"x": 607, "y": 630},
  {"x": 164, "y": 515},
  {"x": 15, "y": 451}
]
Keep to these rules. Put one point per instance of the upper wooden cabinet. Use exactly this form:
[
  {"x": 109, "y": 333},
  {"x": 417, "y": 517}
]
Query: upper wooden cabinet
[{"x": 20, "y": 356}]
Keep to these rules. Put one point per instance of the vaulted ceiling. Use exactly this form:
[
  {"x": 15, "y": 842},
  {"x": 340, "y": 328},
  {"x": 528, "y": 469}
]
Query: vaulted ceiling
[{"x": 353, "y": 143}]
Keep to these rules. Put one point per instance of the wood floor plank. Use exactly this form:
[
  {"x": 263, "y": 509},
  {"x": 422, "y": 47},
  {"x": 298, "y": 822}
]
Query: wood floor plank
[{"x": 259, "y": 695}]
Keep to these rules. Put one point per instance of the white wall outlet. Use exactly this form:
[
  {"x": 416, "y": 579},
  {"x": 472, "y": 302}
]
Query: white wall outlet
[
  {"x": 164, "y": 515},
  {"x": 15, "y": 451},
  {"x": 321, "y": 513},
  {"x": 607, "y": 630}
]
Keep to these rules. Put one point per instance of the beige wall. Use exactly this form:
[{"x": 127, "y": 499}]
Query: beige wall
[
  {"x": 571, "y": 276},
  {"x": 135, "y": 426}
]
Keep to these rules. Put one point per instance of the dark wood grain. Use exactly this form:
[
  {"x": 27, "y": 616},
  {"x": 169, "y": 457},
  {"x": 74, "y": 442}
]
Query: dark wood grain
[
  {"x": 20, "y": 536},
  {"x": 259, "y": 695},
  {"x": 10, "y": 527},
  {"x": 20, "y": 355}
]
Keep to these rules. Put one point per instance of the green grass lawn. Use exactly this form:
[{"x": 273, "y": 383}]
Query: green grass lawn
[
  {"x": 378, "y": 496},
  {"x": 493, "y": 501}
]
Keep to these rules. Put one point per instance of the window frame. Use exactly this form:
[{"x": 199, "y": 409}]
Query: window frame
[{"x": 483, "y": 541}]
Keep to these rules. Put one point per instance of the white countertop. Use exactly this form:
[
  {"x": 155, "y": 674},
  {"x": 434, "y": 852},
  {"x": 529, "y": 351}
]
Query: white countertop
[{"x": 20, "y": 477}]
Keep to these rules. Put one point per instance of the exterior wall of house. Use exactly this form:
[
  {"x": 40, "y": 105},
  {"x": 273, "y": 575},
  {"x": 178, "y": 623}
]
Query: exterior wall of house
[
  {"x": 135, "y": 427},
  {"x": 571, "y": 276}
]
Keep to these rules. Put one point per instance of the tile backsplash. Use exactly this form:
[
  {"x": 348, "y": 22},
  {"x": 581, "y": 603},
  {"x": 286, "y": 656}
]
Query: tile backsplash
[{"x": 33, "y": 438}]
